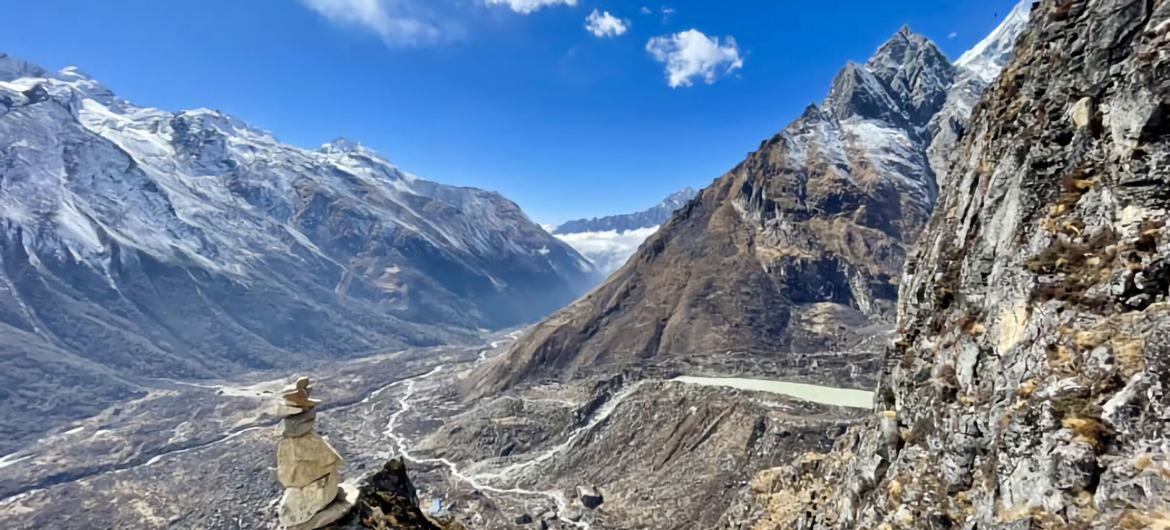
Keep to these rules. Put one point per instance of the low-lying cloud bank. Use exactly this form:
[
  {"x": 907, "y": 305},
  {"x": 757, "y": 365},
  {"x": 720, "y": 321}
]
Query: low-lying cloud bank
[{"x": 608, "y": 250}]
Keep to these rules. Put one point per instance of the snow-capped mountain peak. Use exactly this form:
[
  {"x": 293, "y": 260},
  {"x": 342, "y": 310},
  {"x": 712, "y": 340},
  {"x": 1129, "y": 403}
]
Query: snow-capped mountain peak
[
  {"x": 678, "y": 199},
  {"x": 148, "y": 242},
  {"x": 822, "y": 215},
  {"x": 609, "y": 241},
  {"x": 649, "y": 218},
  {"x": 342, "y": 145},
  {"x": 977, "y": 69},
  {"x": 903, "y": 84},
  {"x": 987, "y": 58}
]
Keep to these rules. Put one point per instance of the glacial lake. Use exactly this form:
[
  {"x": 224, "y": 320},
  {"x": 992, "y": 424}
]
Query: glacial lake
[{"x": 841, "y": 397}]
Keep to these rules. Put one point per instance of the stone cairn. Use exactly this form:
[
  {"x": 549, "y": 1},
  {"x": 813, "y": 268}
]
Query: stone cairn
[{"x": 306, "y": 466}]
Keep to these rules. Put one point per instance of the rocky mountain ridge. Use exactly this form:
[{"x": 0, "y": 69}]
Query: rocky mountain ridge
[
  {"x": 799, "y": 248},
  {"x": 1028, "y": 386},
  {"x": 977, "y": 69},
  {"x": 139, "y": 243},
  {"x": 648, "y": 218}
]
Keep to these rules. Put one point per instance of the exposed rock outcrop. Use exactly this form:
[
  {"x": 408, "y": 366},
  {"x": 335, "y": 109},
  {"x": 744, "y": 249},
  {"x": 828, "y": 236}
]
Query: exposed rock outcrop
[
  {"x": 388, "y": 500},
  {"x": 590, "y": 497},
  {"x": 1030, "y": 385},
  {"x": 978, "y": 68}
]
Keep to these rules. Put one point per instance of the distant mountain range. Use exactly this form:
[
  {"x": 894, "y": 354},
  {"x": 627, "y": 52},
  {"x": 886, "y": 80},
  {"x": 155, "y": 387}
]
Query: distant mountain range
[
  {"x": 139, "y": 243},
  {"x": 801, "y": 246},
  {"x": 648, "y": 218},
  {"x": 609, "y": 241}
]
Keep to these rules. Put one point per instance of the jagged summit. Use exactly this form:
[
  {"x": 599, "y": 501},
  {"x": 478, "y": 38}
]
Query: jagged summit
[
  {"x": 904, "y": 83},
  {"x": 679, "y": 198},
  {"x": 609, "y": 241},
  {"x": 916, "y": 72},
  {"x": 341, "y": 147},
  {"x": 69, "y": 86},
  {"x": 791, "y": 250},
  {"x": 903, "y": 47},
  {"x": 798, "y": 248}
]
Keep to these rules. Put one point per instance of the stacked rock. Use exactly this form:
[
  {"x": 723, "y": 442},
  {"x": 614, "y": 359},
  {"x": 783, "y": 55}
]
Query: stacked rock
[{"x": 306, "y": 466}]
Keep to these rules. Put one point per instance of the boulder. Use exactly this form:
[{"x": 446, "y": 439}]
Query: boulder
[
  {"x": 340, "y": 507},
  {"x": 590, "y": 497},
  {"x": 298, "y": 395},
  {"x": 1081, "y": 112},
  {"x": 299, "y": 425},
  {"x": 302, "y": 460},
  {"x": 285, "y": 410},
  {"x": 298, "y": 505}
]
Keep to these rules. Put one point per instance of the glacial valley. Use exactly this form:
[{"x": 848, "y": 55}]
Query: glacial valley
[{"x": 195, "y": 454}]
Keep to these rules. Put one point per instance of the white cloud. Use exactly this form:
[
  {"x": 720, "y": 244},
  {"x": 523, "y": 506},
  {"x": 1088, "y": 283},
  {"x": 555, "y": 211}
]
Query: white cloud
[
  {"x": 691, "y": 54},
  {"x": 397, "y": 22},
  {"x": 528, "y": 6},
  {"x": 603, "y": 24},
  {"x": 414, "y": 22},
  {"x": 608, "y": 250},
  {"x": 645, "y": 10},
  {"x": 952, "y": 34}
]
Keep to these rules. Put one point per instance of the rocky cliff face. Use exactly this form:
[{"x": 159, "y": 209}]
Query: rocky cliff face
[
  {"x": 977, "y": 69},
  {"x": 800, "y": 247},
  {"x": 1028, "y": 388},
  {"x": 138, "y": 242}
]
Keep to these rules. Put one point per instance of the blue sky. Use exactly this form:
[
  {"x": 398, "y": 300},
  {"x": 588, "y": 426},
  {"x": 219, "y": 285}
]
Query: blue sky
[{"x": 516, "y": 96}]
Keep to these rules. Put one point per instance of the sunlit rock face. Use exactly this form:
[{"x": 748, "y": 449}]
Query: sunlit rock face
[
  {"x": 1028, "y": 386},
  {"x": 977, "y": 69},
  {"x": 799, "y": 248}
]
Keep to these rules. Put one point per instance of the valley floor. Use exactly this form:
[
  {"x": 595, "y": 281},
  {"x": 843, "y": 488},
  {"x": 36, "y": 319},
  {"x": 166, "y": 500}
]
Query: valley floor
[{"x": 659, "y": 448}]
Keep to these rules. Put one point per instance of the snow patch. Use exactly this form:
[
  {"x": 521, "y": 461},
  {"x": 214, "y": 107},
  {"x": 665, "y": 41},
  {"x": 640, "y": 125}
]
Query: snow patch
[{"x": 987, "y": 58}]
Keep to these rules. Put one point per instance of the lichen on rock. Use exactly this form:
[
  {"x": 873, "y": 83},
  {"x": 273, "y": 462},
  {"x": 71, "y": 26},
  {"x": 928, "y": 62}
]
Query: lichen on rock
[{"x": 1030, "y": 383}]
